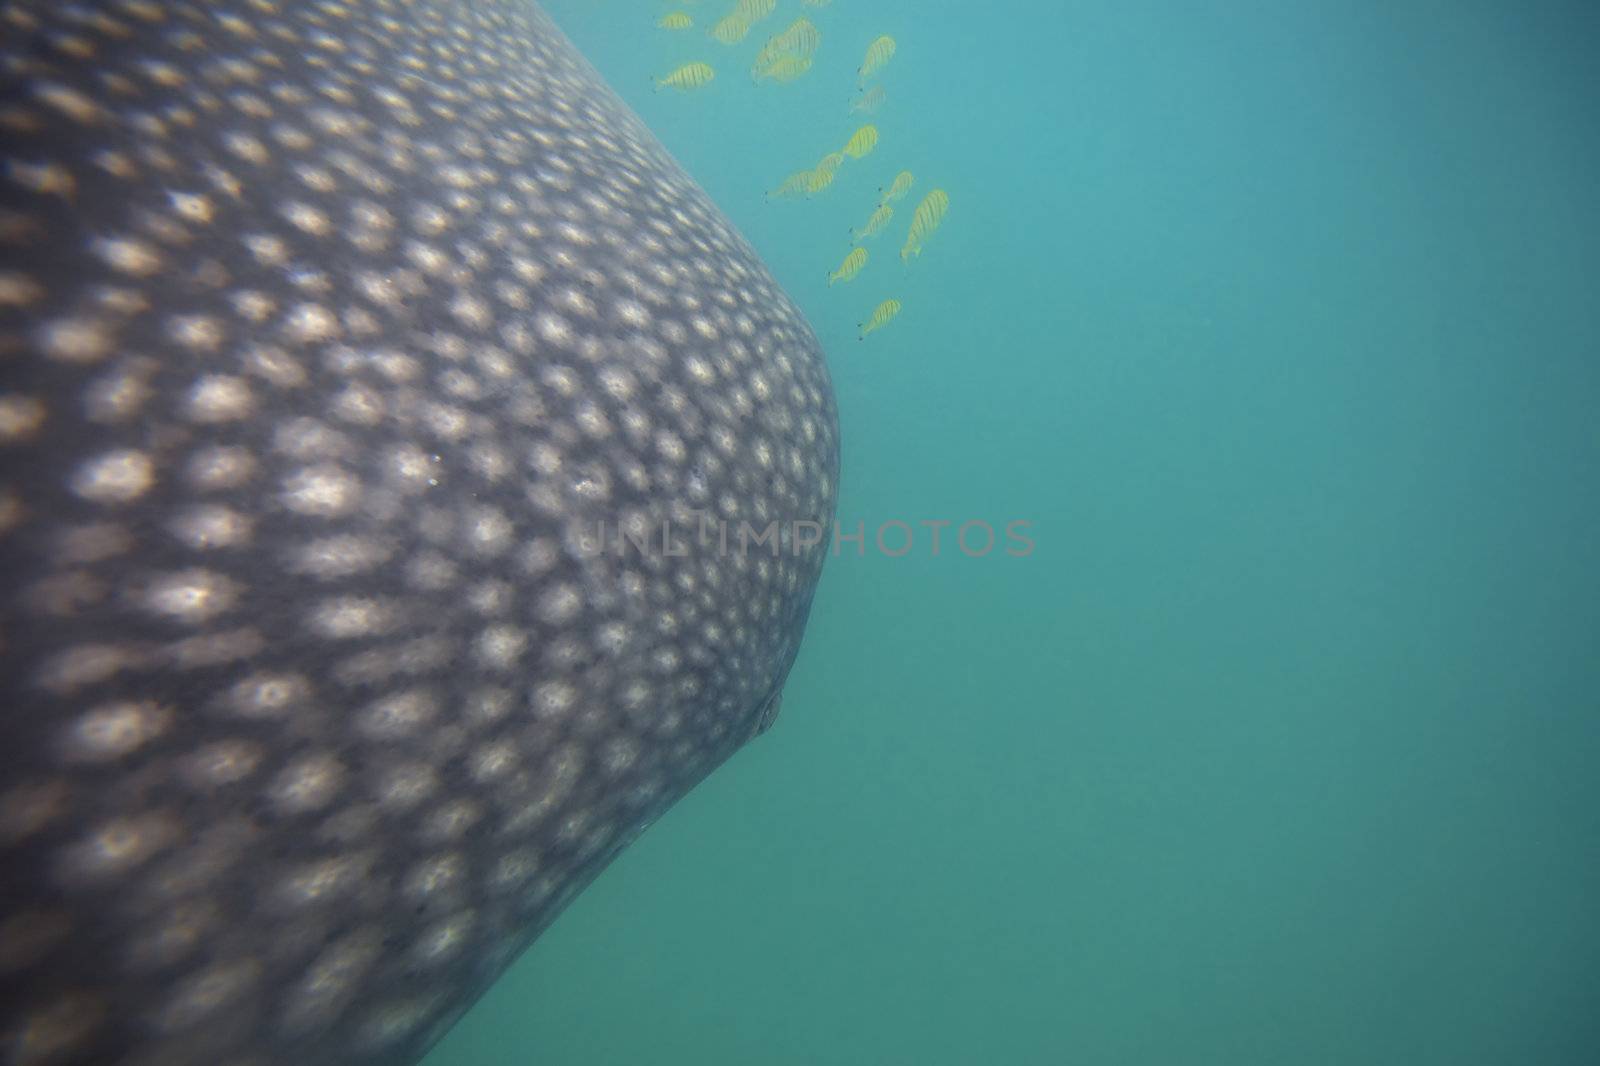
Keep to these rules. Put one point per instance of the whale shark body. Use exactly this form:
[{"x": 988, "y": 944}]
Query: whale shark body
[{"x": 335, "y": 337}]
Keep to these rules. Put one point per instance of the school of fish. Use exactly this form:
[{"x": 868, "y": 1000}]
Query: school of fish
[{"x": 786, "y": 56}]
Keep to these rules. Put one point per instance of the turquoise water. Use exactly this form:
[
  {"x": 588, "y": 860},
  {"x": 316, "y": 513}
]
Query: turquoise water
[{"x": 1279, "y": 324}]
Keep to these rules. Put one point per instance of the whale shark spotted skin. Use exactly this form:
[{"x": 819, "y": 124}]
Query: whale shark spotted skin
[{"x": 334, "y": 338}]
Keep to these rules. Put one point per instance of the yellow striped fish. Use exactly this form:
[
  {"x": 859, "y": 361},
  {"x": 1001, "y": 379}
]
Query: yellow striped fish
[
  {"x": 794, "y": 186},
  {"x": 770, "y": 53},
  {"x": 753, "y": 11},
  {"x": 862, "y": 141},
  {"x": 688, "y": 76},
  {"x": 818, "y": 180},
  {"x": 830, "y": 162},
  {"x": 730, "y": 29},
  {"x": 875, "y": 223},
  {"x": 801, "y": 38},
  {"x": 783, "y": 69},
  {"x": 897, "y": 188},
  {"x": 929, "y": 213},
  {"x": 850, "y": 267},
  {"x": 869, "y": 101},
  {"x": 879, "y": 52},
  {"x": 880, "y": 317},
  {"x": 678, "y": 20}
]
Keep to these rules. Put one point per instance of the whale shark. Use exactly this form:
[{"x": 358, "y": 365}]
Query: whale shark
[{"x": 377, "y": 396}]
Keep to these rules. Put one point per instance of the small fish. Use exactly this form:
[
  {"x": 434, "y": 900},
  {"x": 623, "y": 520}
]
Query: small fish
[
  {"x": 730, "y": 29},
  {"x": 868, "y": 102},
  {"x": 794, "y": 186},
  {"x": 879, "y": 52},
  {"x": 862, "y": 141},
  {"x": 850, "y": 267},
  {"x": 875, "y": 223},
  {"x": 897, "y": 188},
  {"x": 818, "y": 180},
  {"x": 801, "y": 38},
  {"x": 688, "y": 76},
  {"x": 830, "y": 162},
  {"x": 677, "y": 20},
  {"x": 770, "y": 53},
  {"x": 880, "y": 317},
  {"x": 753, "y": 11},
  {"x": 783, "y": 69},
  {"x": 929, "y": 213}
]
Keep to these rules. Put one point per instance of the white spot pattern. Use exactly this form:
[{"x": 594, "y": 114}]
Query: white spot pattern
[{"x": 359, "y": 315}]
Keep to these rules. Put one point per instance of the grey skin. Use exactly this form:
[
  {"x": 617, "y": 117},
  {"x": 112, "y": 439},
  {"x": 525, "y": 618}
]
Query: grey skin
[{"x": 329, "y": 334}]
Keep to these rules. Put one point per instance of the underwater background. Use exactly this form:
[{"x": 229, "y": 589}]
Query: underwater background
[{"x": 1280, "y": 325}]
